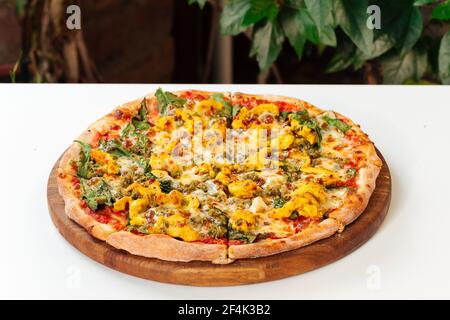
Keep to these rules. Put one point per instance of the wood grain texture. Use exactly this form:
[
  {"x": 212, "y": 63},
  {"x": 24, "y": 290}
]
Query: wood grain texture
[{"x": 239, "y": 272}]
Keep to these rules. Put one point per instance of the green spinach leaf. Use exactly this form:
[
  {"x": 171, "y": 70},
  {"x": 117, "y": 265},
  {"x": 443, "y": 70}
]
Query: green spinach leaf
[
  {"x": 96, "y": 193},
  {"x": 337, "y": 123},
  {"x": 239, "y": 235},
  {"x": 83, "y": 162},
  {"x": 165, "y": 99},
  {"x": 278, "y": 203}
]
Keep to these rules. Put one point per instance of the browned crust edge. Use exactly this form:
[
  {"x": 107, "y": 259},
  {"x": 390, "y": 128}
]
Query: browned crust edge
[
  {"x": 155, "y": 246},
  {"x": 167, "y": 248},
  {"x": 314, "y": 233}
]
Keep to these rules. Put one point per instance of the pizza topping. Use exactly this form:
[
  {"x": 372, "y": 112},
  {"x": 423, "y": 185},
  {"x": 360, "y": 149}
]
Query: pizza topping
[
  {"x": 140, "y": 120},
  {"x": 243, "y": 189},
  {"x": 305, "y": 201},
  {"x": 134, "y": 176},
  {"x": 105, "y": 159},
  {"x": 96, "y": 193},
  {"x": 83, "y": 165},
  {"x": 167, "y": 99},
  {"x": 337, "y": 123}
]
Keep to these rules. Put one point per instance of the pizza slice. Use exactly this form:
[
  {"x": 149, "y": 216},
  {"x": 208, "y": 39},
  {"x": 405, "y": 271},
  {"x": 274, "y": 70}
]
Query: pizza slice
[{"x": 309, "y": 197}]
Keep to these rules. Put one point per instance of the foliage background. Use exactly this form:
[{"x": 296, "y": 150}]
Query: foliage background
[
  {"x": 272, "y": 41},
  {"x": 412, "y": 45}
]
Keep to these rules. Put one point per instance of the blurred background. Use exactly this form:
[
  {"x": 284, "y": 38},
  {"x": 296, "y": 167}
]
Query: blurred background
[{"x": 225, "y": 41}]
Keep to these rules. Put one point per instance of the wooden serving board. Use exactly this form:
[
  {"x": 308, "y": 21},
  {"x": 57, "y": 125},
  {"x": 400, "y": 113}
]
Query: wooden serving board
[{"x": 239, "y": 272}]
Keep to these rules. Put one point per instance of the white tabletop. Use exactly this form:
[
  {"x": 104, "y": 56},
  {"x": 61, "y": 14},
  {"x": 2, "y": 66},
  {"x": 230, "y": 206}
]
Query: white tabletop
[{"x": 409, "y": 257}]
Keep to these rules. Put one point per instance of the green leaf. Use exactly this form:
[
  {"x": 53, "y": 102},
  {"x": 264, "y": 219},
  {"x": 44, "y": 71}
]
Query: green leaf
[
  {"x": 83, "y": 162},
  {"x": 259, "y": 10},
  {"x": 351, "y": 16},
  {"x": 303, "y": 118},
  {"x": 337, "y": 123},
  {"x": 233, "y": 15},
  {"x": 140, "y": 120},
  {"x": 96, "y": 193},
  {"x": 236, "y": 109},
  {"x": 114, "y": 147},
  {"x": 312, "y": 34},
  {"x": 399, "y": 68},
  {"x": 284, "y": 115},
  {"x": 165, "y": 185},
  {"x": 442, "y": 11},
  {"x": 240, "y": 235},
  {"x": 401, "y": 21},
  {"x": 419, "y": 3},
  {"x": 201, "y": 3},
  {"x": 343, "y": 58},
  {"x": 444, "y": 59},
  {"x": 380, "y": 46},
  {"x": 321, "y": 12},
  {"x": 294, "y": 4},
  {"x": 165, "y": 99},
  {"x": 227, "y": 110},
  {"x": 294, "y": 29},
  {"x": 414, "y": 30},
  {"x": 294, "y": 215},
  {"x": 267, "y": 42},
  {"x": 278, "y": 203}
]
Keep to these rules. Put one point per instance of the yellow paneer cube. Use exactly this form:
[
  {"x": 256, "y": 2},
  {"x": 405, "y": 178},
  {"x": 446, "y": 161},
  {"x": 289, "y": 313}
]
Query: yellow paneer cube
[
  {"x": 178, "y": 228},
  {"x": 105, "y": 159},
  {"x": 243, "y": 189},
  {"x": 315, "y": 189},
  {"x": 191, "y": 201},
  {"x": 265, "y": 107},
  {"x": 205, "y": 168},
  {"x": 308, "y": 134},
  {"x": 99, "y": 156},
  {"x": 241, "y": 116},
  {"x": 121, "y": 204},
  {"x": 138, "y": 206},
  {"x": 242, "y": 220},
  {"x": 208, "y": 107},
  {"x": 112, "y": 167},
  {"x": 165, "y": 123},
  {"x": 175, "y": 198},
  {"x": 138, "y": 221},
  {"x": 283, "y": 142},
  {"x": 306, "y": 200}
]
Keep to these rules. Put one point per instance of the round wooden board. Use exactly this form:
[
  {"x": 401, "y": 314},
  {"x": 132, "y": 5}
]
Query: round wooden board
[{"x": 240, "y": 272}]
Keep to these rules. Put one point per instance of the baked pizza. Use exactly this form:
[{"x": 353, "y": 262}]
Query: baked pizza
[{"x": 217, "y": 176}]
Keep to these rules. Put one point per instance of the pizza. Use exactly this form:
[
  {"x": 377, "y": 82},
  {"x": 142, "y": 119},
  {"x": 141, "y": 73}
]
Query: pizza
[{"x": 217, "y": 176}]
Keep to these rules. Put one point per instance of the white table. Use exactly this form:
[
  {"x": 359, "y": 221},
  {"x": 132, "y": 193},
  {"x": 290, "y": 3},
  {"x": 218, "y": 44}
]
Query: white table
[{"x": 409, "y": 257}]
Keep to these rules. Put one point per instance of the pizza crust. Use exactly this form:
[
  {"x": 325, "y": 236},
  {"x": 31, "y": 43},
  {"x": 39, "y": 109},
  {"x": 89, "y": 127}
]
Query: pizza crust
[
  {"x": 167, "y": 248},
  {"x": 323, "y": 230},
  {"x": 72, "y": 204},
  {"x": 356, "y": 203}
]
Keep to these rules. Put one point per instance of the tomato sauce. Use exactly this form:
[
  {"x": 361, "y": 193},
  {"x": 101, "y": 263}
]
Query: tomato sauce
[
  {"x": 235, "y": 242},
  {"x": 211, "y": 240},
  {"x": 191, "y": 95}
]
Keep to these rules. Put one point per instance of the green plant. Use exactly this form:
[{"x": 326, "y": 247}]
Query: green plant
[{"x": 412, "y": 43}]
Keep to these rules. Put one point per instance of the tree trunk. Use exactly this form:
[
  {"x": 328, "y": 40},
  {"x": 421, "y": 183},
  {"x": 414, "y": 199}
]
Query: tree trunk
[{"x": 52, "y": 52}]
